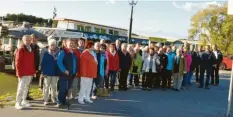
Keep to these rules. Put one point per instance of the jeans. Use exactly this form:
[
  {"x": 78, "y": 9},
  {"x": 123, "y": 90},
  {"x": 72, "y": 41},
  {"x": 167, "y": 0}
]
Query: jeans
[
  {"x": 112, "y": 77},
  {"x": 135, "y": 78},
  {"x": 186, "y": 79},
  {"x": 64, "y": 86}
]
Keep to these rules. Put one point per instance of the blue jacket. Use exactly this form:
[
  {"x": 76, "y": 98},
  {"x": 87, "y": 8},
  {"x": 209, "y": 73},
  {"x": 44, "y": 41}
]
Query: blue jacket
[
  {"x": 67, "y": 61},
  {"x": 101, "y": 63},
  {"x": 49, "y": 64},
  {"x": 170, "y": 58}
]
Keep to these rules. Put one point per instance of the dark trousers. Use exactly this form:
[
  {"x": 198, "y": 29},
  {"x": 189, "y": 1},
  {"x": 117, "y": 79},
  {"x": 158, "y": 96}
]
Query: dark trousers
[
  {"x": 112, "y": 77},
  {"x": 149, "y": 79},
  {"x": 64, "y": 86},
  {"x": 143, "y": 79},
  {"x": 123, "y": 78},
  {"x": 166, "y": 78},
  {"x": 215, "y": 75},
  {"x": 135, "y": 78},
  {"x": 202, "y": 73},
  {"x": 156, "y": 81},
  {"x": 197, "y": 73}
]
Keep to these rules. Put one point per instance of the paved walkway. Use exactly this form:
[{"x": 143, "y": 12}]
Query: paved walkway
[{"x": 192, "y": 102}]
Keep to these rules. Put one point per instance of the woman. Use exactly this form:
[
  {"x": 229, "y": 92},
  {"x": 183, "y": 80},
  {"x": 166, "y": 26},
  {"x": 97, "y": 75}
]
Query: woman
[
  {"x": 88, "y": 71},
  {"x": 135, "y": 69},
  {"x": 113, "y": 66},
  {"x": 178, "y": 70},
  {"x": 76, "y": 81},
  {"x": 145, "y": 54},
  {"x": 49, "y": 71},
  {"x": 149, "y": 67},
  {"x": 188, "y": 61}
]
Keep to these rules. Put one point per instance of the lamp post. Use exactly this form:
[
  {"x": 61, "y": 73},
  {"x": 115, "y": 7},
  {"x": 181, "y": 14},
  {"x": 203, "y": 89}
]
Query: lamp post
[{"x": 132, "y": 3}]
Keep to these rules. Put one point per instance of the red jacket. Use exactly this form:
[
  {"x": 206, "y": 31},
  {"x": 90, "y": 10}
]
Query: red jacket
[
  {"x": 88, "y": 65},
  {"x": 113, "y": 61},
  {"x": 78, "y": 54},
  {"x": 24, "y": 62}
]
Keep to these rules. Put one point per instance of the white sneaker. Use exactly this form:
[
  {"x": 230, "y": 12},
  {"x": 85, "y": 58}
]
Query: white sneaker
[
  {"x": 81, "y": 102},
  {"x": 94, "y": 97},
  {"x": 26, "y": 104},
  {"x": 76, "y": 97},
  {"x": 46, "y": 103},
  {"x": 88, "y": 100},
  {"x": 18, "y": 106}
]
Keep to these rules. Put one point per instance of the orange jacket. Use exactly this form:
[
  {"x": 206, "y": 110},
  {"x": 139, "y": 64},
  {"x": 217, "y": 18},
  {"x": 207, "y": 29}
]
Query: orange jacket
[{"x": 88, "y": 65}]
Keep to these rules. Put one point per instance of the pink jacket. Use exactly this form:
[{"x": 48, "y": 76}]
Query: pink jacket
[{"x": 188, "y": 61}]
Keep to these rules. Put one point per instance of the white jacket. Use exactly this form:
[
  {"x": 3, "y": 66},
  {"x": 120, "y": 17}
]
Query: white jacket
[
  {"x": 144, "y": 55},
  {"x": 155, "y": 62}
]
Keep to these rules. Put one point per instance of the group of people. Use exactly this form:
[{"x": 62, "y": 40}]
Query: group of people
[{"x": 80, "y": 68}]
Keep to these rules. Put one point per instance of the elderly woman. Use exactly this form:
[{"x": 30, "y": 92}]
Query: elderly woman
[
  {"x": 88, "y": 71},
  {"x": 49, "y": 71},
  {"x": 149, "y": 67},
  {"x": 135, "y": 69}
]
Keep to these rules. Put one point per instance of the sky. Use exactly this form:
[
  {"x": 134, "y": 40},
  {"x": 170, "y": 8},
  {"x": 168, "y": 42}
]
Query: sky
[{"x": 157, "y": 18}]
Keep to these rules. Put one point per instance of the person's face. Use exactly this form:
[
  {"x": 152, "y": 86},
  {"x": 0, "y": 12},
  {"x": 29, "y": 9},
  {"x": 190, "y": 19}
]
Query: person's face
[
  {"x": 103, "y": 49},
  {"x": 137, "y": 46},
  {"x": 33, "y": 40},
  {"x": 92, "y": 48},
  {"x": 124, "y": 48},
  {"x": 178, "y": 52},
  {"x": 151, "y": 51},
  {"x": 80, "y": 43},
  {"x": 207, "y": 48},
  {"x": 161, "y": 51},
  {"x": 97, "y": 47},
  {"x": 185, "y": 50},
  {"x": 70, "y": 44},
  {"x": 174, "y": 48},
  {"x": 156, "y": 50},
  {"x": 214, "y": 47},
  {"x": 64, "y": 43},
  {"x": 27, "y": 40},
  {"x": 52, "y": 47},
  {"x": 200, "y": 48},
  {"x": 112, "y": 49},
  {"x": 118, "y": 43},
  {"x": 75, "y": 45},
  {"x": 168, "y": 50}
]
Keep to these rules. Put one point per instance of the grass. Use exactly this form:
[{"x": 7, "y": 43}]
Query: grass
[{"x": 8, "y": 87}]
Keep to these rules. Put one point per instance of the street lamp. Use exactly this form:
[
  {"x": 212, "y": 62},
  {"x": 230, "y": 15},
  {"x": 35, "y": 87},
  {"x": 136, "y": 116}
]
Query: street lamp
[{"x": 132, "y": 3}]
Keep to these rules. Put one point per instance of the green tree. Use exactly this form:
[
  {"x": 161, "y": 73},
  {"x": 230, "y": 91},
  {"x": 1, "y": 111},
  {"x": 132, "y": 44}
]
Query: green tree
[{"x": 211, "y": 26}]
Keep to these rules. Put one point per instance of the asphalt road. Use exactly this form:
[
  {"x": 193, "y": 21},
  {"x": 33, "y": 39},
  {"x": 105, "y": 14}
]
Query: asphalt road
[{"x": 192, "y": 102}]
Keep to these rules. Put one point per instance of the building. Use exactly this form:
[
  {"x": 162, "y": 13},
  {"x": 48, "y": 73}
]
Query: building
[{"x": 89, "y": 27}]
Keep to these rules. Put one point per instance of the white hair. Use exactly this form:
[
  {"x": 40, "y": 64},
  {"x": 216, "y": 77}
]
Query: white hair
[
  {"x": 123, "y": 45},
  {"x": 52, "y": 42},
  {"x": 50, "y": 37},
  {"x": 96, "y": 44}
]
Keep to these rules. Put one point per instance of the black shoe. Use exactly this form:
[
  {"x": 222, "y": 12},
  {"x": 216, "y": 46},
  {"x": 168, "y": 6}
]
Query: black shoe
[
  {"x": 200, "y": 87},
  {"x": 216, "y": 85},
  {"x": 177, "y": 90},
  {"x": 149, "y": 89},
  {"x": 125, "y": 89},
  {"x": 207, "y": 88},
  {"x": 29, "y": 98},
  {"x": 143, "y": 88},
  {"x": 164, "y": 89}
]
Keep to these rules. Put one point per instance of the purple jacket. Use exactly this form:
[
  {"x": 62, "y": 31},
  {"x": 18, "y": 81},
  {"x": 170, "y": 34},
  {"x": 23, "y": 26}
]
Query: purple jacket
[{"x": 188, "y": 61}]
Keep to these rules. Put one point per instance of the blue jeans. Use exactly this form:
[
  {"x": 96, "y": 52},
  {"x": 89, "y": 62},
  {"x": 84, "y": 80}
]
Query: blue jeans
[
  {"x": 112, "y": 75},
  {"x": 64, "y": 85},
  {"x": 190, "y": 77},
  {"x": 186, "y": 79}
]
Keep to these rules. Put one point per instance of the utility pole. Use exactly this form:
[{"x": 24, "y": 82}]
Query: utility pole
[{"x": 132, "y": 3}]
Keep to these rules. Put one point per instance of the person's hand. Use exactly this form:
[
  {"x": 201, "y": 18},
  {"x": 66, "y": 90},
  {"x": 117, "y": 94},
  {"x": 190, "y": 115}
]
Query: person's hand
[
  {"x": 67, "y": 72},
  {"x": 76, "y": 74},
  {"x": 119, "y": 70},
  {"x": 161, "y": 67}
]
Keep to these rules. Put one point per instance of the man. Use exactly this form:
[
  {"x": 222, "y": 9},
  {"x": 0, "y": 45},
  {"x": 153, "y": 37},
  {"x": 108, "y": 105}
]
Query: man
[
  {"x": 194, "y": 64},
  {"x": 125, "y": 64},
  {"x": 137, "y": 47},
  {"x": 200, "y": 50},
  {"x": 206, "y": 63},
  {"x": 25, "y": 70},
  {"x": 118, "y": 45},
  {"x": 162, "y": 67},
  {"x": 36, "y": 50},
  {"x": 218, "y": 57},
  {"x": 67, "y": 64},
  {"x": 81, "y": 44},
  {"x": 170, "y": 57}
]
